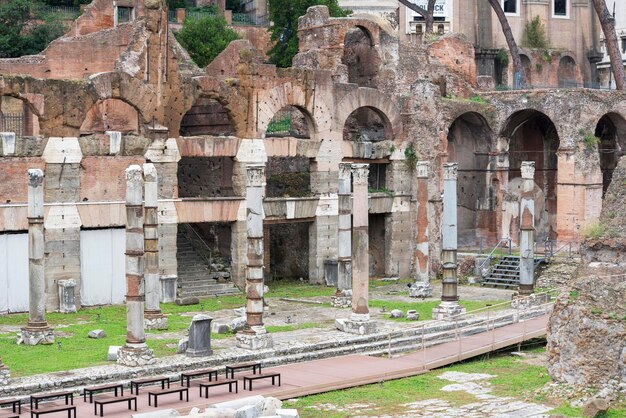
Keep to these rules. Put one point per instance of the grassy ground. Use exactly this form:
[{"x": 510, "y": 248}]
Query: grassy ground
[
  {"x": 73, "y": 349},
  {"x": 515, "y": 378}
]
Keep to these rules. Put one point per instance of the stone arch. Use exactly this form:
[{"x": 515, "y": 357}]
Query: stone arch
[
  {"x": 532, "y": 136},
  {"x": 290, "y": 121},
  {"x": 528, "y": 69},
  {"x": 111, "y": 115},
  {"x": 361, "y": 57},
  {"x": 611, "y": 133},
  {"x": 207, "y": 116},
  {"x": 567, "y": 74},
  {"x": 470, "y": 144},
  {"x": 316, "y": 112},
  {"x": 19, "y": 115},
  {"x": 378, "y": 102}
]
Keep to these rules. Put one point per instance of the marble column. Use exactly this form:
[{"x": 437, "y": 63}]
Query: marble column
[
  {"x": 422, "y": 288},
  {"x": 254, "y": 335},
  {"x": 449, "y": 306},
  {"x": 37, "y": 330},
  {"x": 153, "y": 317},
  {"x": 135, "y": 352},
  {"x": 342, "y": 297},
  {"x": 527, "y": 230},
  {"x": 359, "y": 321}
]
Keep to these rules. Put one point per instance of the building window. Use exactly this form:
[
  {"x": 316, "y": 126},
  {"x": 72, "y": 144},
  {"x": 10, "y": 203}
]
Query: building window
[
  {"x": 623, "y": 45},
  {"x": 560, "y": 7},
  {"x": 124, "y": 14},
  {"x": 509, "y": 6}
]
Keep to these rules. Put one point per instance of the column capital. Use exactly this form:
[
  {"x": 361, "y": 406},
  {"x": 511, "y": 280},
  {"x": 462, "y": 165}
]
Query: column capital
[
  {"x": 450, "y": 171},
  {"x": 360, "y": 173},
  {"x": 422, "y": 168},
  {"x": 345, "y": 170},
  {"x": 35, "y": 193},
  {"x": 255, "y": 175},
  {"x": 528, "y": 170}
]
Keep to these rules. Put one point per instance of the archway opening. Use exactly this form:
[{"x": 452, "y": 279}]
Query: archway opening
[
  {"x": 611, "y": 134},
  {"x": 469, "y": 144},
  {"x": 527, "y": 66},
  {"x": 290, "y": 121},
  {"x": 207, "y": 117},
  {"x": 360, "y": 57},
  {"x": 16, "y": 117},
  {"x": 367, "y": 124},
  {"x": 567, "y": 72},
  {"x": 110, "y": 115},
  {"x": 532, "y": 137}
]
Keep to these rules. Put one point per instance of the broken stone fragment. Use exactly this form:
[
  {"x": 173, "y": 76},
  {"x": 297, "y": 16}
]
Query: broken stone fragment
[{"x": 97, "y": 334}]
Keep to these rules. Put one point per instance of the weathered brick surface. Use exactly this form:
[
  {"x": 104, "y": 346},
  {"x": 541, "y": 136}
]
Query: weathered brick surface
[{"x": 102, "y": 178}]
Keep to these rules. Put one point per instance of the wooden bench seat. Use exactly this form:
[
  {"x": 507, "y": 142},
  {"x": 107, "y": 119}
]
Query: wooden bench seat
[
  {"x": 156, "y": 393},
  {"x": 15, "y": 404},
  {"x": 209, "y": 384},
  {"x": 250, "y": 378},
  {"x": 231, "y": 369},
  {"x": 35, "y": 399},
  {"x": 134, "y": 384},
  {"x": 102, "y": 388},
  {"x": 48, "y": 409},
  {"x": 185, "y": 377},
  {"x": 108, "y": 399}
]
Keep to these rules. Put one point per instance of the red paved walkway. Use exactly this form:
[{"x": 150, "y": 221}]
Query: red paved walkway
[{"x": 334, "y": 373}]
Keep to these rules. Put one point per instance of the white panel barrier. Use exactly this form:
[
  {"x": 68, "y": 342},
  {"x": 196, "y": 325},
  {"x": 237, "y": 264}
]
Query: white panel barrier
[
  {"x": 102, "y": 267},
  {"x": 13, "y": 273}
]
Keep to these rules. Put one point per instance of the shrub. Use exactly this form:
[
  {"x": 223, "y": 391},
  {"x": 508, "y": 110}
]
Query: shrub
[
  {"x": 535, "y": 34},
  {"x": 205, "y": 38},
  {"x": 594, "y": 230}
]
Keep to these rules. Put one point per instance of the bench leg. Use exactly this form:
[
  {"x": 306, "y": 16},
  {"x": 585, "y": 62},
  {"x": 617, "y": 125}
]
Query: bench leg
[
  {"x": 101, "y": 410},
  {"x": 95, "y": 409}
]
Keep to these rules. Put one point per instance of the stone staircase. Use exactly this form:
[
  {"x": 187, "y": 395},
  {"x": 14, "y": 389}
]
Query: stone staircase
[
  {"x": 195, "y": 276},
  {"x": 506, "y": 272}
]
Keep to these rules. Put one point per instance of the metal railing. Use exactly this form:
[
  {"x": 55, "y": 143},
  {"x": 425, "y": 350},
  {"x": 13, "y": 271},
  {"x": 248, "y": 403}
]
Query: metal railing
[
  {"x": 244, "y": 19},
  {"x": 485, "y": 267},
  {"x": 171, "y": 16},
  {"x": 510, "y": 312},
  {"x": 208, "y": 260},
  {"x": 12, "y": 122},
  {"x": 198, "y": 14},
  {"x": 62, "y": 12},
  {"x": 280, "y": 123},
  {"x": 552, "y": 249}
]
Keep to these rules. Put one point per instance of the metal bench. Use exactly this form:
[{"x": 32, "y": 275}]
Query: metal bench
[
  {"x": 103, "y": 388},
  {"x": 15, "y": 404},
  {"x": 53, "y": 408},
  {"x": 108, "y": 399},
  {"x": 185, "y": 377},
  {"x": 253, "y": 366},
  {"x": 155, "y": 394},
  {"x": 159, "y": 379},
  {"x": 206, "y": 385},
  {"x": 249, "y": 379}
]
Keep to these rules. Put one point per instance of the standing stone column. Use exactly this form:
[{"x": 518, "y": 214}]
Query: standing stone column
[
  {"x": 449, "y": 298},
  {"x": 5, "y": 374},
  {"x": 344, "y": 278},
  {"x": 421, "y": 288},
  {"x": 359, "y": 322},
  {"x": 135, "y": 352},
  {"x": 153, "y": 317},
  {"x": 527, "y": 230},
  {"x": 254, "y": 335},
  {"x": 37, "y": 330}
]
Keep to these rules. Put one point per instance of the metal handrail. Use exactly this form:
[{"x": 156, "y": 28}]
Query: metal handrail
[
  {"x": 552, "y": 244},
  {"x": 490, "y": 256},
  {"x": 210, "y": 260}
]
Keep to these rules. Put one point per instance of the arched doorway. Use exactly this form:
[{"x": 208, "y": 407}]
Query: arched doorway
[
  {"x": 532, "y": 137},
  {"x": 528, "y": 70},
  {"x": 16, "y": 117},
  {"x": 360, "y": 57},
  {"x": 469, "y": 144},
  {"x": 567, "y": 72}
]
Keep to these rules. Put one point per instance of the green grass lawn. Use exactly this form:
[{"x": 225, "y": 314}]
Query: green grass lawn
[
  {"x": 425, "y": 308},
  {"x": 514, "y": 377}
]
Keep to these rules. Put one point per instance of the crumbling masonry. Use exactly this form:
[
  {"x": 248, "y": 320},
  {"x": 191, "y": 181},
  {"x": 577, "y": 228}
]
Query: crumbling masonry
[{"x": 105, "y": 97}]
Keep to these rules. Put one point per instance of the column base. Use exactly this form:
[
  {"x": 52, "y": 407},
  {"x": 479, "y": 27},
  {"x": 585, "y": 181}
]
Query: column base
[
  {"x": 448, "y": 311},
  {"x": 35, "y": 336},
  {"x": 529, "y": 301},
  {"x": 5, "y": 376},
  {"x": 155, "y": 321},
  {"x": 256, "y": 338},
  {"x": 420, "y": 290},
  {"x": 358, "y": 326},
  {"x": 135, "y": 355},
  {"x": 341, "y": 301}
]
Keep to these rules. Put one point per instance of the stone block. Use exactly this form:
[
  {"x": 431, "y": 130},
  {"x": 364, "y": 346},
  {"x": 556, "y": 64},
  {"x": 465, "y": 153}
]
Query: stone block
[
  {"x": 112, "y": 354},
  {"x": 341, "y": 301},
  {"x": 420, "y": 290},
  {"x": 67, "y": 297},
  {"x": 238, "y": 403},
  {"x": 449, "y": 311},
  {"x": 183, "y": 343},
  {"x": 412, "y": 315},
  {"x": 5, "y": 376},
  {"x": 259, "y": 339},
  {"x": 168, "y": 288},
  {"x": 136, "y": 355},
  {"x": 162, "y": 413},
  {"x": 270, "y": 405},
  {"x": 247, "y": 411},
  {"x": 97, "y": 334},
  {"x": 240, "y": 311},
  {"x": 594, "y": 407},
  {"x": 35, "y": 337},
  {"x": 220, "y": 328},
  {"x": 396, "y": 313},
  {"x": 355, "y": 327},
  {"x": 190, "y": 300},
  {"x": 238, "y": 324},
  {"x": 200, "y": 336},
  {"x": 287, "y": 413}
]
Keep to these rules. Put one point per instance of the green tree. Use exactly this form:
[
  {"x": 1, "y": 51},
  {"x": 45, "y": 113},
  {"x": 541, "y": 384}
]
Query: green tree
[
  {"x": 17, "y": 38},
  {"x": 535, "y": 34},
  {"x": 205, "y": 38},
  {"x": 285, "y": 14}
]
